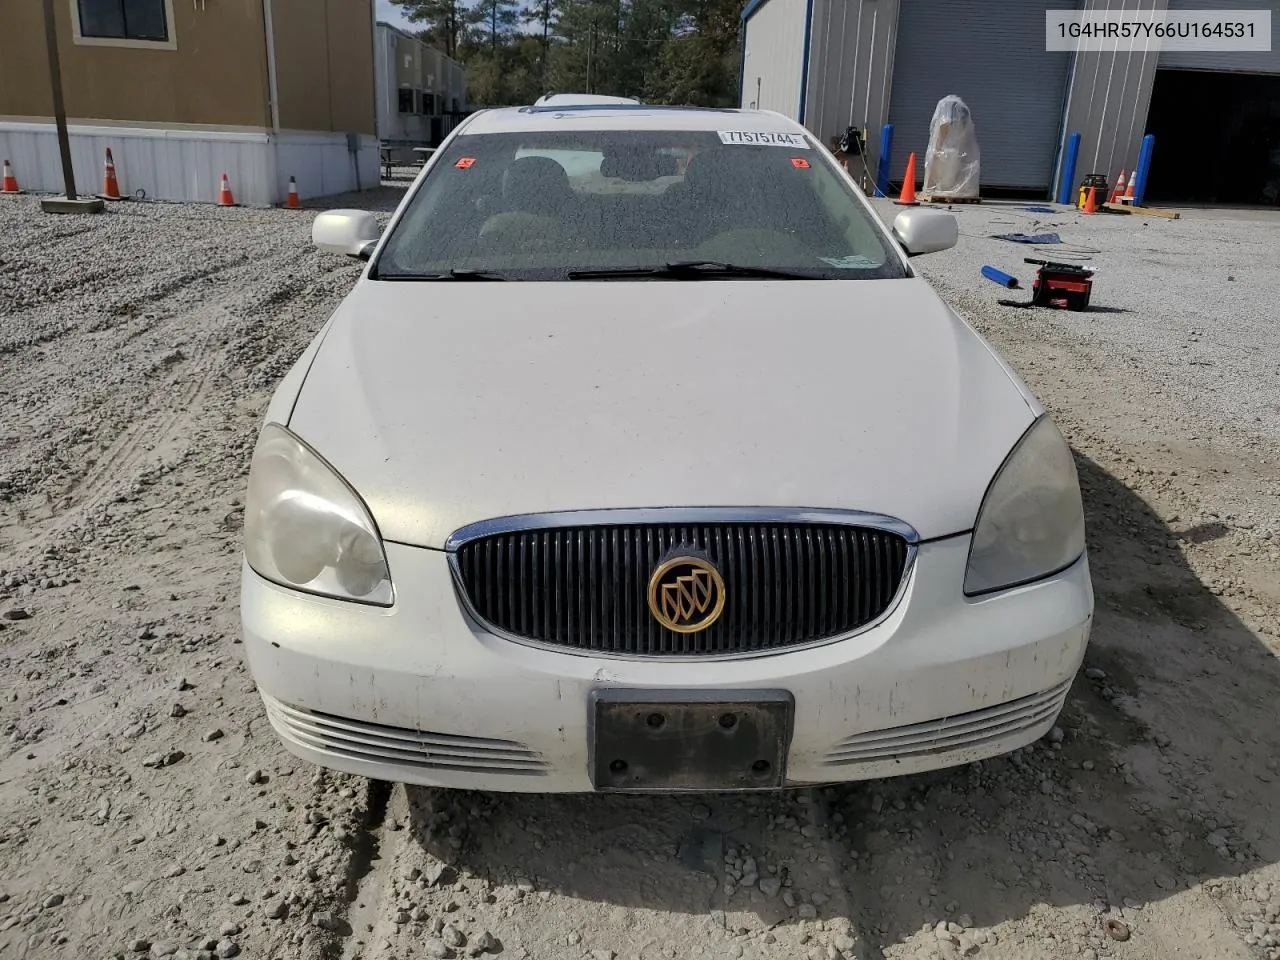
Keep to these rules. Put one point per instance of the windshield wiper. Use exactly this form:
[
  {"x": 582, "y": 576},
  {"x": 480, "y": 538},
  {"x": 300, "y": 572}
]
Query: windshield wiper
[
  {"x": 690, "y": 270},
  {"x": 454, "y": 274}
]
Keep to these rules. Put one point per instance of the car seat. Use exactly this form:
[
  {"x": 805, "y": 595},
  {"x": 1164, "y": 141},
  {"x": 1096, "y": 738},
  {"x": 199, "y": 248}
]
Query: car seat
[
  {"x": 536, "y": 185},
  {"x": 722, "y": 191},
  {"x": 538, "y": 201},
  {"x": 758, "y": 193}
]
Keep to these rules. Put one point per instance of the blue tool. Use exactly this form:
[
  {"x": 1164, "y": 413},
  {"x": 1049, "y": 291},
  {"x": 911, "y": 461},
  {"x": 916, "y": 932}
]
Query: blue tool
[{"x": 1000, "y": 277}]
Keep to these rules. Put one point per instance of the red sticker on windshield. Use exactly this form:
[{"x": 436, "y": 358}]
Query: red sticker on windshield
[
  {"x": 465, "y": 163},
  {"x": 800, "y": 163}
]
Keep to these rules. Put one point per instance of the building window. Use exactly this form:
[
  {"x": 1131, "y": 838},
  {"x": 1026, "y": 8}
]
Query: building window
[
  {"x": 428, "y": 103},
  {"x": 123, "y": 23},
  {"x": 406, "y": 100},
  {"x": 124, "y": 19}
]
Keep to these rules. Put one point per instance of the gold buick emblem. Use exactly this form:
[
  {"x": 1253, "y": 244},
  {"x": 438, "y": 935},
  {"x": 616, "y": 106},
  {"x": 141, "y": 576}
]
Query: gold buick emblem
[{"x": 686, "y": 594}]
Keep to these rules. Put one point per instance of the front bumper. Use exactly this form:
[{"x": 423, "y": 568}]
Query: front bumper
[{"x": 420, "y": 693}]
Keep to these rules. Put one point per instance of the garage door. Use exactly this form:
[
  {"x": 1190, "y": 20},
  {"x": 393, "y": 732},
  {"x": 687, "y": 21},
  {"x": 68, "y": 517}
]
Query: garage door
[
  {"x": 991, "y": 55},
  {"x": 1242, "y": 61}
]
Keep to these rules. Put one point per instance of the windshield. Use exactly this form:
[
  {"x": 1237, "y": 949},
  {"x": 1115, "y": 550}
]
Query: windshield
[{"x": 554, "y": 205}]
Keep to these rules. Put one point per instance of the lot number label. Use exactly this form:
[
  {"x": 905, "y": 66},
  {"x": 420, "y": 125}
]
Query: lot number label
[{"x": 764, "y": 139}]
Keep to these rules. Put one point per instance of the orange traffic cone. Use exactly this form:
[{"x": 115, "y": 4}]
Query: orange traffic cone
[
  {"x": 1128, "y": 194},
  {"x": 10, "y": 184},
  {"x": 292, "y": 202},
  {"x": 907, "y": 197},
  {"x": 110, "y": 188},
  {"x": 1119, "y": 190},
  {"x": 1091, "y": 205},
  {"x": 225, "y": 199}
]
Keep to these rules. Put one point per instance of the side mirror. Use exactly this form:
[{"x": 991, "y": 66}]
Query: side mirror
[
  {"x": 925, "y": 231},
  {"x": 352, "y": 232}
]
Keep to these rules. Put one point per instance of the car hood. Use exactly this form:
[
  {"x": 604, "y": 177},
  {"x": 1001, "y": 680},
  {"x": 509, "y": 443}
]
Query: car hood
[{"x": 445, "y": 403}]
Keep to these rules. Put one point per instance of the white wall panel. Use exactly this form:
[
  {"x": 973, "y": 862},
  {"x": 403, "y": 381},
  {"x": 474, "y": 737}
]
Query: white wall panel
[
  {"x": 774, "y": 54},
  {"x": 187, "y": 165},
  {"x": 322, "y": 164},
  {"x": 165, "y": 164}
]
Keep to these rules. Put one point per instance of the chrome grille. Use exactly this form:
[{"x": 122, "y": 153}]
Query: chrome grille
[{"x": 585, "y": 587}]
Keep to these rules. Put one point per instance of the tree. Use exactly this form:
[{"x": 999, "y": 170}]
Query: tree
[
  {"x": 488, "y": 45},
  {"x": 544, "y": 17},
  {"x": 646, "y": 28},
  {"x": 523, "y": 77},
  {"x": 699, "y": 63},
  {"x": 446, "y": 21},
  {"x": 583, "y": 60},
  {"x": 666, "y": 51},
  {"x": 496, "y": 22}
]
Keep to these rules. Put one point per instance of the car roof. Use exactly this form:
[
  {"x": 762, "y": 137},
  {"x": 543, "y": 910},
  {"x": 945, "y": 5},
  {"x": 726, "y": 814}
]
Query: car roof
[
  {"x": 626, "y": 116},
  {"x": 559, "y": 99}
]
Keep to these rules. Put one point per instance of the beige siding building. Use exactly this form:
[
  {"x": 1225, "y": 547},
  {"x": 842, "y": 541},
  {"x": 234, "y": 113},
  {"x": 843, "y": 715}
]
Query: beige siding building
[
  {"x": 421, "y": 91},
  {"x": 182, "y": 91}
]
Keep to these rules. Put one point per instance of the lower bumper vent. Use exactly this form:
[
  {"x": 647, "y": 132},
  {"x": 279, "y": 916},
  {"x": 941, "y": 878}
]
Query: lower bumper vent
[
  {"x": 377, "y": 743},
  {"x": 946, "y": 734}
]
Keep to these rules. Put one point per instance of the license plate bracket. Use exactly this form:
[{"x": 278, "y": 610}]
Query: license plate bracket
[{"x": 672, "y": 741}]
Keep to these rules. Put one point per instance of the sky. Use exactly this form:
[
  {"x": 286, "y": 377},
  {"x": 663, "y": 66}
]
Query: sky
[{"x": 391, "y": 14}]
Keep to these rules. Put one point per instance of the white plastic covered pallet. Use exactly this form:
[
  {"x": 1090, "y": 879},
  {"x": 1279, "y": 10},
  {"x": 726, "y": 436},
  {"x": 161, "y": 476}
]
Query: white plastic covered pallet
[{"x": 951, "y": 164}]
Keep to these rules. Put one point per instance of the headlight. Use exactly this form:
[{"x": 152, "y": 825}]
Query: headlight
[
  {"x": 304, "y": 527},
  {"x": 1031, "y": 523}
]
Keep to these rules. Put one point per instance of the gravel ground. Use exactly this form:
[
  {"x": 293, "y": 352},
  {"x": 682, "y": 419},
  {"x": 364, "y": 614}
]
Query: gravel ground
[
  {"x": 146, "y": 810},
  {"x": 1193, "y": 302}
]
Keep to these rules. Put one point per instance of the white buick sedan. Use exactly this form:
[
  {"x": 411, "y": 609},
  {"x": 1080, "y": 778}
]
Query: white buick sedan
[{"x": 640, "y": 459}]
